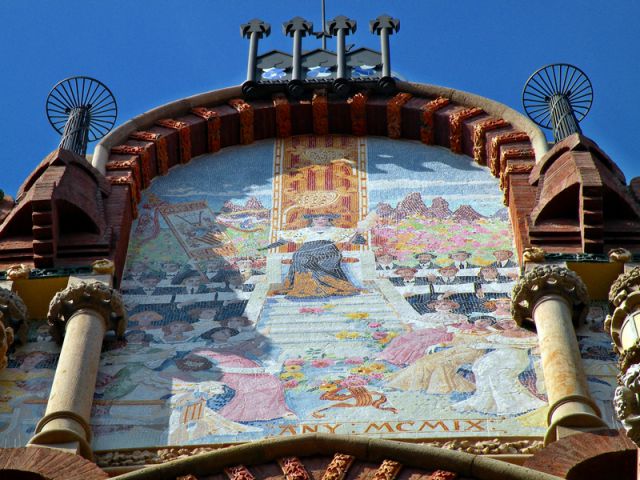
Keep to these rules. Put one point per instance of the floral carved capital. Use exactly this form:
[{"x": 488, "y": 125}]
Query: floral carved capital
[
  {"x": 548, "y": 280},
  {"x": 626, "y": 402},
  {"x": 96, "y": 296}
]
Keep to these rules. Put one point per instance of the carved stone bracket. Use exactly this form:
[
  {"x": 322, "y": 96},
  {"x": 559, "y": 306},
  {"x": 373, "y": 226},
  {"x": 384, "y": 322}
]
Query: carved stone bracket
[
  {"x": 548, "y": 280},
  {"x": 94, "y": 296}
]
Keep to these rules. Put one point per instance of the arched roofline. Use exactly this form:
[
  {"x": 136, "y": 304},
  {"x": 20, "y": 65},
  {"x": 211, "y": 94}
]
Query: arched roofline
[
  {"x": 365, "y": 451},
  {"x": 184, "y": 105}
]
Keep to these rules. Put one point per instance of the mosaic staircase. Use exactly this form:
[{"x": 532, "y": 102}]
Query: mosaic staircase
[{"x": 293, "y": 325}]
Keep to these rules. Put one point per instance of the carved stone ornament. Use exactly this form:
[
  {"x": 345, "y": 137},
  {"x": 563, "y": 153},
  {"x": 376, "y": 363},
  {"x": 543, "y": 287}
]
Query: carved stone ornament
[
  {"x": 627, "y": 304},
  {"x": 6, "y": 339},
  {"x": 548, "y": 280},
  {"x": 533, "y": 255},
  {"x": 624, "y": 285},
  {"x": 14, "y": 313},
  {"x": 16, "y": 272},
  {"x": 620, "y": 255},
  {"x": 103, "y": 267},
  {"x": 494, "y": 446},
  {"x": 90, "y": 295},
  {"x": 626, "y": 402}
]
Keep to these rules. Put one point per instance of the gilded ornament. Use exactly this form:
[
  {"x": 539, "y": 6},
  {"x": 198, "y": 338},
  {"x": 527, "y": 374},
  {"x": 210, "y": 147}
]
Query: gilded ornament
[
  {"x": 339, "y": 466},
  {"x": 293, "y": 469},
  {"x": 533, "y": 255},
  {"x": 620, "y": 255},
  {"x": 17, "y": 272},
  {"x": 103, "y": 267},
  {"x": 388, "y": 470}
]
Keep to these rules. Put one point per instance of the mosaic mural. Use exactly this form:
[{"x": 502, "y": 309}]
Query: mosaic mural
[{"x": 314, "y": 284}]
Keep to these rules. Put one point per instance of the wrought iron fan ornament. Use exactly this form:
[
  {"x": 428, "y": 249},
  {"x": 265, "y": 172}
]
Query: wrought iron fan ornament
[
  {"x": 558, "y": 97},
  {"x": 82, "y": 110}
]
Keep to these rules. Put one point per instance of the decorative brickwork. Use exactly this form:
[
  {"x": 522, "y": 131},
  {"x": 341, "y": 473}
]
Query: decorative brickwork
[
  {"x": 479, "y": 137},
  {"x": 320, "y": 109},
  {"x": 184, "y": 133},
  {"x": 246, "y": 120},
  {"x": 428, "y": 110},
  {"x": 496, "y": 160},
  {"x": 283, "y": 115},
  {"x": 388, "y": 470},
  {"x": 394, "y": 114},
  {"x": 239, "y": 472},
  {"x": 48, "y": 463},
  {"x": 456, "y": 120},
  {"x": 213, "y": 126},
  {"x": 143, "y": 160},
  {"x": 339, "y": 467},
  {"x": 358, "y": 105},
  {"x": 293, "y": 469}
]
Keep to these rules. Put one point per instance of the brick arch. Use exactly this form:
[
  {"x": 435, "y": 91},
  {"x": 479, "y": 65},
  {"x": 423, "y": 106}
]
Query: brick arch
[
  {"x": 599, "y": 454},
  {"x": 46, "y": 463},
  {"x": 493, "y": 135}
]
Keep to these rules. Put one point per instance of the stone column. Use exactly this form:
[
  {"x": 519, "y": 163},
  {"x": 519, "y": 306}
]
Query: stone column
[
  {"x": 623, "y": 325},
  {"x": 81, "y": 314},
  {"x": 13, "y": 322},
  {"x": 551, "y": 299}
]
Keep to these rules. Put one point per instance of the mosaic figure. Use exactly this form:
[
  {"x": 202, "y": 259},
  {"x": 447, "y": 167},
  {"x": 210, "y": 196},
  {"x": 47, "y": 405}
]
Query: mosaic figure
[{"x": 315, "y": 270}]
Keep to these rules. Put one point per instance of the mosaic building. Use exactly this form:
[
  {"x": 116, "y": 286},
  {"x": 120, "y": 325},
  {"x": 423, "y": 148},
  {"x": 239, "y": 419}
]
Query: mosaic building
[{"x": 321, "y": 275}]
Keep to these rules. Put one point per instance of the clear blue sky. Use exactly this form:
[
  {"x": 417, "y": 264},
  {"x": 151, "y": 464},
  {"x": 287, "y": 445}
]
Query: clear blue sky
[{"x": 150, "y": 52}]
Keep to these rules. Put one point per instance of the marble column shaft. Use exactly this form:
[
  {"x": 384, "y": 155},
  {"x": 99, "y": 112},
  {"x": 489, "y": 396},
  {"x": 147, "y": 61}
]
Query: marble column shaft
[{"x": 550, "y": 298}]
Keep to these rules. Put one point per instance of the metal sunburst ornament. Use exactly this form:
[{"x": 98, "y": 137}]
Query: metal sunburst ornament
[
  {"x": 82, "y": 110},
  {"x": 558, "y": 97}
]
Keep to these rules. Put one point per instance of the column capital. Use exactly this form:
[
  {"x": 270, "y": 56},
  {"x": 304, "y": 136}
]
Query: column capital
[
  {"x": 546, "y": 280},
  {"x": 625, "y": 285},
  {"x": 91, "y": 295}
]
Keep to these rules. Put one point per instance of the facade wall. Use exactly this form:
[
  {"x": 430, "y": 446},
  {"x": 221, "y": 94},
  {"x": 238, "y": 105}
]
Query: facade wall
[{"x": 286, "y": 287}]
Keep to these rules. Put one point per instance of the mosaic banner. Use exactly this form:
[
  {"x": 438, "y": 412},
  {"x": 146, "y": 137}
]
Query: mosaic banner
[{"x": 314, "y": 284}]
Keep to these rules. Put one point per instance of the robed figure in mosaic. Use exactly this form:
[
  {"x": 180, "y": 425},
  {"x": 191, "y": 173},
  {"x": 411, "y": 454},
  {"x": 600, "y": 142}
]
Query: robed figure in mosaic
[{"x": 315, "y": 269}]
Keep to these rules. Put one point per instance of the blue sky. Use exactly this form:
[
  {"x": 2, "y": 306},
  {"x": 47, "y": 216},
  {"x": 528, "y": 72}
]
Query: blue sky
[{"x": 150, "y": 52}]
